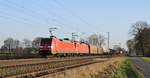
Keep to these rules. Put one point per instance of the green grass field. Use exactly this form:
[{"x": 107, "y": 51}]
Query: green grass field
[
  {"x": 7, "y": 53},
  {"x": 146, "y": 59},
  {"x": 127, "y": 70},
  {"x": 123, "y": 70}
]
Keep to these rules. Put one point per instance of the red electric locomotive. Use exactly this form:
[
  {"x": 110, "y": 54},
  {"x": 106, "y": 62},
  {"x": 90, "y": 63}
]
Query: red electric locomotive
[
  {"x": 82, "y": 48},
  {"x": 55, "y": 46}
]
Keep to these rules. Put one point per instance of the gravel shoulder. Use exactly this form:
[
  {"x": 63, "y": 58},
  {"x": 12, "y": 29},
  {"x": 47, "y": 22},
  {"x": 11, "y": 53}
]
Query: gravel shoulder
[{"x": 142, "y": 66}]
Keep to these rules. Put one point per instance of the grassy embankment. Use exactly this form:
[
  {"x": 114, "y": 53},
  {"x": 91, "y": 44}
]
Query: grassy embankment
[
  {"x": 125, "y": 70},
  {"x": 118, "y": 67},
  {"x": 146, "y": 59}
]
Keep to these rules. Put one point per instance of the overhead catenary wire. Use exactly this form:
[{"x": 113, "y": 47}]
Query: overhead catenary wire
[
  {"x": 58, "y": 18},
  {"x": 10, "y": 17},
  {"x": 20, "y": 18},
  {"x": 23, "y": 10},
  {"x": 21, "y": 6},
  {"x": 72, "y": 13},
  {"x": 29, "y": 10}
]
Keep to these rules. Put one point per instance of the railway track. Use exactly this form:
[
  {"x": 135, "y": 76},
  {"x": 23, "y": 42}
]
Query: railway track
[
  {"x": 37, "y": 60},
  {"x": 41, "y": 68}
]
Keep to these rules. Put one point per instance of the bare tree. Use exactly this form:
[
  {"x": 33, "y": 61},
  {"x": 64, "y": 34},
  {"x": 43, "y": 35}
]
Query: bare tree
[
  {"x": 17, "y": 47},
  {"x": 36, "y": 42},
  {"x": 96, "y": 39},
  {"x": 28, "y": 47},
  {"x": 130, "y": 45},
  {"x": 3, "y": 48},
  {"x": 9, "y": 43},
  {"x": 138, "y": 27},
  {"x": 27, "y": 43},
  {"x": 16, "y": 43},
  {"x": 140, "y": 32},
  {"x": 101, "y": 39}
]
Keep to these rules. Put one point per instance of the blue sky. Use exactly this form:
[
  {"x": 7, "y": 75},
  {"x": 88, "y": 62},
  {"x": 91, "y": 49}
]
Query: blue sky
[{"x": 31, "y": 18}]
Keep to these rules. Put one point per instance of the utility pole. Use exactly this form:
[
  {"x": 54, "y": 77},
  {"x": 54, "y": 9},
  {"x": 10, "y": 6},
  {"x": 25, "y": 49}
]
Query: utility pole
[
  {"x": 51, "y": 30},
  {"x": 108, "y": 39}
]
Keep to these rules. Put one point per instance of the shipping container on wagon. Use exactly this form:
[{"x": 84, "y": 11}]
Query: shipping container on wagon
[
  {"x": 93, "y": 49},
  {"x": 100, "y": 51},
  {"x": 106, "y": 50}
]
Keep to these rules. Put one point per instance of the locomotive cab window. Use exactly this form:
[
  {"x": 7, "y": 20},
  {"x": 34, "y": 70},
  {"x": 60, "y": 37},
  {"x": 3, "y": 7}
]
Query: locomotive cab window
[{"x": 46, "y": 41}]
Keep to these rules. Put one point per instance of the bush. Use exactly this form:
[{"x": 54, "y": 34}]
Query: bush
[{"x": 147, "y": 53}]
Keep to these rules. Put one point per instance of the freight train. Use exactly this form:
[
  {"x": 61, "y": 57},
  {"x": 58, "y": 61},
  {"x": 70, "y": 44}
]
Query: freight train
[{"x": 65, "y": 47}]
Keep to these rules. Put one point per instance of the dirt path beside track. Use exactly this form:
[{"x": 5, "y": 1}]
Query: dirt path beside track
[{"x": 142, "y": 66}]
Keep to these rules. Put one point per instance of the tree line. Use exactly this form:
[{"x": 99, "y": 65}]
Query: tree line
[
  {"x": 16, "y": 47},
  {"x": 140, "y": 42},
  {"x": 26, "y": 47}
]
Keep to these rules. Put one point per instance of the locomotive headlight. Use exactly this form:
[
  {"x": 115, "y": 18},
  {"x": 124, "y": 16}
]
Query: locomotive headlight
[
  {"x": 48, "y": 46},
  {"x": 51, "y": 46},
  {"x": 41, "y": 46}
]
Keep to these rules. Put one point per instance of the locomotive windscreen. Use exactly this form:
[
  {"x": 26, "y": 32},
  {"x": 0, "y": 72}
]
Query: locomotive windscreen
[
  {"x": 46, "y": 41},
  {"x": 45, "y": 46}
]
